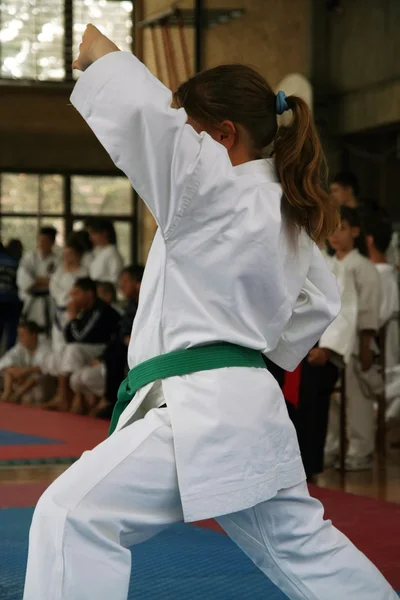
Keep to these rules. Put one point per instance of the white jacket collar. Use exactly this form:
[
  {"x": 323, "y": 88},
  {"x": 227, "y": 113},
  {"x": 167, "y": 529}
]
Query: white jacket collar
[{"x": 264, "y": 167}]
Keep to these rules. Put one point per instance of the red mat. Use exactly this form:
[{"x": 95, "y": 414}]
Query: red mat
[
  {"x": 373, "y": 526},
  {"x": 76, "y": 433}
]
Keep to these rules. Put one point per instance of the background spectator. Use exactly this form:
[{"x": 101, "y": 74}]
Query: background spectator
[
  {"x": 345, "y": 189},
  {"x": 33, "y": 278},
  {"x": 82, "y": 238},
  {"x": 10, "y": 304},
  {"x": 107, "y": 292},
  {"x": 92, "y": 323},
  {"x": 20, "y": 366},
  {"x": 15, "y": 249},
  {"x": 106, "y": 262},
  {"x": 98, "y": 383},
  {"x": 61, "y": 282}
]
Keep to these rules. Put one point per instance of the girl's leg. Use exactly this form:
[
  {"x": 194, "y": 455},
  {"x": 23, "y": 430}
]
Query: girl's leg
[
  {"x": 305, "y": 556},
  {"x": 119, "y": 494}
]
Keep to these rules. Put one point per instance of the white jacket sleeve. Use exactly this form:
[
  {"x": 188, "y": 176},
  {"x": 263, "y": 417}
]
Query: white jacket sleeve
[
  {"x": 11, "y": 358},
  {"x": 389, "y": 305},
  {"x": 26, "y": 275},
  {"x": 369, "y": 295},
  {"x": 340, "y": 336},
  {"x": 316, "y": 307},
  {"x": 130, "y": 112}
]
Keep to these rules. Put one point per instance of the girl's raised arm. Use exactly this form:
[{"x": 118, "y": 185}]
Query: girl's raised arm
[{"x": 130, "y": 112}]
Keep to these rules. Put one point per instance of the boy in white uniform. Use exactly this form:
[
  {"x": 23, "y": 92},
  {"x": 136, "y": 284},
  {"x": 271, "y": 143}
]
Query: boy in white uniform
[
  {"x": 33, "y": 278},
  {"x": 61, "y": 283},
  {"x": 90, "y": 325},
  {"x": 20, "y": 367},
  {"x": 360, "y": 419},
  {"x": 224, "y": 267},
  {"x": 378, "y": 231},
  {"x": 320, "y": 372}
]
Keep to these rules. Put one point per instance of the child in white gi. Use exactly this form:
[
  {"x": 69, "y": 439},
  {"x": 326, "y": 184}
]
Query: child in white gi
[
  {"x": 33, "y": 278},
  {"x": 233, "y": 261},
  {"x": 378, "y": 232},
  {"x": 20, "y": 367},
  {"x": 61, "y": 283},
  {"x": 360, "y": 402}
]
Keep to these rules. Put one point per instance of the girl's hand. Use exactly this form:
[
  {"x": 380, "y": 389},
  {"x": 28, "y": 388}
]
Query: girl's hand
[{"x": 94, "y": 45}]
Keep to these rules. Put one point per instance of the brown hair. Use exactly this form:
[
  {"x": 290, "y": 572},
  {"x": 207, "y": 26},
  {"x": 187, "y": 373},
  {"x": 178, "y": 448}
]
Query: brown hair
[{"x": 239, "y": 94}]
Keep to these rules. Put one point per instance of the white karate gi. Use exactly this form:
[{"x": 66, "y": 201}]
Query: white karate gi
[
  {"x": 340, "y": 336},
  {"x": 392, "y": 253},
  {"x": 393, "y": 399},
  {"x": 389, "y": 312},
  {"x": 19, "y": 356},
  {"x": 60, "y": 286},
  {"x": 89, "y": 380},
  {"x": 360, "y": 408},
  {"x": 106, "y": 264},
  {"x": 221, "y": 268},
  {"x": 32, "y": 266}
]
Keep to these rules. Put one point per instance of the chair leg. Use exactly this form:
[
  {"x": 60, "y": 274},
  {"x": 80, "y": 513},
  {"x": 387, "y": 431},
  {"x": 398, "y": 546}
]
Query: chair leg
[{"x": 343, "y": 429}]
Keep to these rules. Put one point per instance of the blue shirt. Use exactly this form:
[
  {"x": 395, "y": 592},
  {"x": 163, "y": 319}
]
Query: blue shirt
[{"x": 8, "y": 277}]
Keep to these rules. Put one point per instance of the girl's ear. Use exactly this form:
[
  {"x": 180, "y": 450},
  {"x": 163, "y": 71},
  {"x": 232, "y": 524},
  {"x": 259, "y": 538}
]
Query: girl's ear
[
  {"x": 355, "y": 232},
  {"x": 226, "y": 134}
]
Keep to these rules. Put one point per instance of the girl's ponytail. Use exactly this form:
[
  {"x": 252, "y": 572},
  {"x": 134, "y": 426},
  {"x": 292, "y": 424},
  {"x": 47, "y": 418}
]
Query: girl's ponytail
[
  {"x": 239, "y": 94},
  {"x": 302, "y": 172}
]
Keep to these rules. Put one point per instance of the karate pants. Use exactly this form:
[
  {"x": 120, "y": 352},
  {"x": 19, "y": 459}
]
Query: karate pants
[
  {"x": 89, "y": 380},
  {"x": 64, "y": 360},
  {"x": 360, "y": 417},
  {"x": 126, "y": 490}
]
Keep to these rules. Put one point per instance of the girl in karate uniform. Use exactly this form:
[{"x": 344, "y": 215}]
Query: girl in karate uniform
[
  {"x": 233, "y": 272},
  {"x": 105, "y": 261}
]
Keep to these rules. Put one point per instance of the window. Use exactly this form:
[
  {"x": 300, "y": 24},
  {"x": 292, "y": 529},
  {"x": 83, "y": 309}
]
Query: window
[
  {"x": 108, "y": 196},
  {"x": 38, "y": 194},
  {"x": 34, "y": 43},
  {"x": 114, "y": 19},
  {"x": 31, "y": 201},
  {"x": 101, "y": 195},
  {"x": 32, "y": 39},
  {"x": 22, "y": 228}
]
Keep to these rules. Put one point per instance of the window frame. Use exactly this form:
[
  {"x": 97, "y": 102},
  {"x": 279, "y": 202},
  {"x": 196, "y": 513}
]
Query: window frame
[
  {"x": 67, "y": 215},
  {"x": 68, "y": 21}
]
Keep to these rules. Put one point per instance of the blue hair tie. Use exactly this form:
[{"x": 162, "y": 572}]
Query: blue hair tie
[{"x": 281, "y": 103}]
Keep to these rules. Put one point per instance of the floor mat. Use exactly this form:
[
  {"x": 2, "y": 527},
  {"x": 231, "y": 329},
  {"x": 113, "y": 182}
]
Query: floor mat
[
  {"x": 35, "y": 436},
  {"x": 183, "y": 562},
  {"x": 12, "y": 438},
  {"x": 373, "y": 526}
]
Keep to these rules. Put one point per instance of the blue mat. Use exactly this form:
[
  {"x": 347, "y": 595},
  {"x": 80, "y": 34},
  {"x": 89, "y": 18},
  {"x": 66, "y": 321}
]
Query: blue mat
[
  {"x": 183, "y": 562},
  {"x": 12, "y": 438}
]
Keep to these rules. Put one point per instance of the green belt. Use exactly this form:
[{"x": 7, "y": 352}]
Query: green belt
[{"x": 182, "y": 362}]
